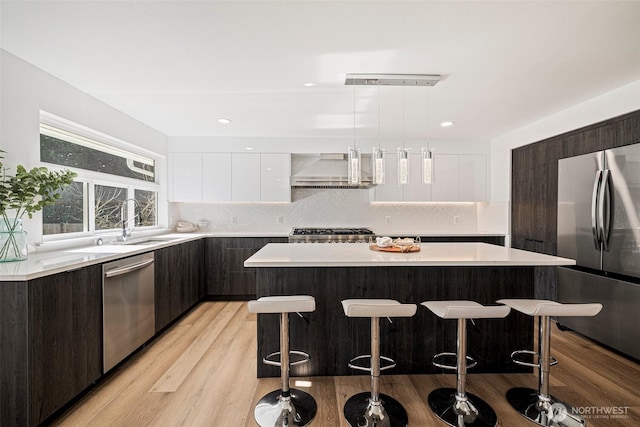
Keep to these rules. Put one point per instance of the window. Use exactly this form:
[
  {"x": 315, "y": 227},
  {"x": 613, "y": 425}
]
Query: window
[
  {"x": 69, "y": 214},
  {"x": 111, "y": 181}
]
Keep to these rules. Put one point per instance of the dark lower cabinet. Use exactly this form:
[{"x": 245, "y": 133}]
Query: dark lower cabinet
[
  {"x": 493, "y": 240},
  {"x": 226, "y": 274},
  {"x": 51, "y": 334},
  {"x": 65, "y": 338},
  {"x": 179, "y": 280}
]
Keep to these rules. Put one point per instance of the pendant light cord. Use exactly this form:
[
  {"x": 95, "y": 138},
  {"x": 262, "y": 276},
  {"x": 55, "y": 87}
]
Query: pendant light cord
[{"x": 354, "y": 117}]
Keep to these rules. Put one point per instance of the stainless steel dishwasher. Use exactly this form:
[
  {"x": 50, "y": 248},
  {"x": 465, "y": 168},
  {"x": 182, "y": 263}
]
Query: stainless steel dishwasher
[{"x": 128, "y": 307}]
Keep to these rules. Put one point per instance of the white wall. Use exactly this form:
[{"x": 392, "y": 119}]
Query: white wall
[
  {"x": 612, "y": 104},
  {"x": 25, "y": 90}
]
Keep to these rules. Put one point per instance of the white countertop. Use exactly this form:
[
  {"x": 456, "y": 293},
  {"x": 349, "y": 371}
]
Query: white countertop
[
  {"x": 46, "y": 263},
  {"x": 430, "y": 254}
]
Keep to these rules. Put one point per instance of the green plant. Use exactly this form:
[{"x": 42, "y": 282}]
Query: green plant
[{"x": 26, "y": 192}]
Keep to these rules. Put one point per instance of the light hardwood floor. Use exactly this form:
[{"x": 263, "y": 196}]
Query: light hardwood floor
[{"x": 201, "y": 372}]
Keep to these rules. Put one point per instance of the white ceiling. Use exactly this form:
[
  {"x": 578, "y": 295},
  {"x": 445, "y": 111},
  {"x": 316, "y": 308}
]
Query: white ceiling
[{"x": 179, "y": 66}]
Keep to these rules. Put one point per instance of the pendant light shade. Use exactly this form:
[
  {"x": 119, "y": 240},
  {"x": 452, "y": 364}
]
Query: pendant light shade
[
  {"x": 403, "y": 166},
  {"x": 378, "y": 165},
  {"x": 427, "y": 166},
  {"x": 354, "y": 165}
]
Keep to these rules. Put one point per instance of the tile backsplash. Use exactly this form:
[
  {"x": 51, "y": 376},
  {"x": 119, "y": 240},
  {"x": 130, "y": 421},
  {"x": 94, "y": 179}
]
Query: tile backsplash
[{"x": 330, "y": 208}]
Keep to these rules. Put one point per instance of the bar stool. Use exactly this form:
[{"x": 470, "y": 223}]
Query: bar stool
[
  {"x": 373, "y": 408},
  {"x": 538, "y": 405},
  {"x": 287, "y": 406},
  {"x": 456, "y": 407}
]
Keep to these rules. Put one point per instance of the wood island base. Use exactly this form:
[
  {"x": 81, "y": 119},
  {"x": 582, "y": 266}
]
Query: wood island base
[{"x": 332, "y": 339}]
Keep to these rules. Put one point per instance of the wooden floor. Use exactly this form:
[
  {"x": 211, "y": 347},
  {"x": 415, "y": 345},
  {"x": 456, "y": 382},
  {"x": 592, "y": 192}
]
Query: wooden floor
[{"x": 201, "y": 372}]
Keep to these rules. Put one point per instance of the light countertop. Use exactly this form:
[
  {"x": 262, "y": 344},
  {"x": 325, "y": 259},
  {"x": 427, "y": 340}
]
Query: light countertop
[
  {"x": 46, "y": 263},
  {"x": 430, "y": 254},
  {"x": 39, "y": 264}
]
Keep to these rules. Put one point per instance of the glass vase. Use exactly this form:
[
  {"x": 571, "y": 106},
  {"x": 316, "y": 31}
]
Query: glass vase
[{"x": 13, "y": 240}]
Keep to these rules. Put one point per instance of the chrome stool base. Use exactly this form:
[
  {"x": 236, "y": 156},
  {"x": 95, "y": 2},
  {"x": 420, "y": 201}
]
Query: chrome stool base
[
  {"x": 471, "y": 412},
  {"x": 545, "y": 412},
  {"x": 273, "y": 410},
  {"x": 360, "y": 411}
]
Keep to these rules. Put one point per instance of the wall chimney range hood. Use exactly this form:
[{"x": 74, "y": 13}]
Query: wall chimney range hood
[{"x": 327, "y": 170}]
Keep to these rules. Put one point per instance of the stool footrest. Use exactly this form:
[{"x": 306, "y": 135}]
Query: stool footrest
[
  {"x": 514, "y": 358},
  {"x": 270, "y": 359},
  {"x": 352, "y": 365},
  {"x": 471, "y": 361}
]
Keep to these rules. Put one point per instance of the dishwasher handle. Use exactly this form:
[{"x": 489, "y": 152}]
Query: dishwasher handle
[{"x": 128, "y": 268}]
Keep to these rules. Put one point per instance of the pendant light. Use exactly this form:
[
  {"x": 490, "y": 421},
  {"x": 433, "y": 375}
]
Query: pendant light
[
  {"x": 377, "y": 157},
  {"x": 378, "y": 161},
  {"x": 427, "y": 156},
  {"x": 427, "y": 166},
  {"x": 403, "y": 153},
  {"x": 354, "y": 152}
]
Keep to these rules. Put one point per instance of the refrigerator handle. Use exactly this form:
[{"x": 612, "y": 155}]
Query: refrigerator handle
[
  {"x": 604, "y": 211},
  {"x": 595, "y": 229}
]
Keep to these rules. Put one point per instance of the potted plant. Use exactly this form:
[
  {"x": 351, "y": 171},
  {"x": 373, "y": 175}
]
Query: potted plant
[{"x": 25, "y": 192}]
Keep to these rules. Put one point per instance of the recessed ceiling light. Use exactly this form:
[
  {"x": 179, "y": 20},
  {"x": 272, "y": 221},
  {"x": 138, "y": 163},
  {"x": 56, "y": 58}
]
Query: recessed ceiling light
[
  {"x": 309, "y": 84},
  {"x": 224, "y": 121},
  {"x": 446, "y": 124},
  {"x": 248, "y": 148}
]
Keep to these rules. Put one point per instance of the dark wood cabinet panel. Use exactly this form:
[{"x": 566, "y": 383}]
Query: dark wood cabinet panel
[
  {"x": 179, "y": 280},
  {"x": 226, "y": 274},
  {"x": 14, "y": 354},
  {"x": 534, "y": 191},
  {"x": 65, "y": 338},
  {"x": 591, "y": 139},
  {"x": 332, "y": 339},
  {"x": 628, "y": 129},
  {"x": 522, "y": 202}
]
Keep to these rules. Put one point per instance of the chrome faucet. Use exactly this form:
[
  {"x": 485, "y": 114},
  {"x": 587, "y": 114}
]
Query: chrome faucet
[{"x": 123, "y": 212}]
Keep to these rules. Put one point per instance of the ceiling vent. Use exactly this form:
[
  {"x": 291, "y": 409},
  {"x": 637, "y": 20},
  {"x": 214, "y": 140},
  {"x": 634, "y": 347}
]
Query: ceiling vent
[{"x": 392, "y": 79}]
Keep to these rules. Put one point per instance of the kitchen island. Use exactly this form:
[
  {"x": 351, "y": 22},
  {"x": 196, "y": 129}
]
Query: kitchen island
[{"x": 439, "y": 271}]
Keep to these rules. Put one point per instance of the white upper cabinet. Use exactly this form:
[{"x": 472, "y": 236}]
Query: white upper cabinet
[
  {"x": 216, "y": 177},
  {"x": 186, "y": 171},
  {"x": 275, "y": 170},
  {"x": 245, "y": 177},
  {"x": 225, "y": 177},
  {"x": 456, "y": 177},
  {"x": 445, "y": 178},
  {"x": 473, "y": 177}
]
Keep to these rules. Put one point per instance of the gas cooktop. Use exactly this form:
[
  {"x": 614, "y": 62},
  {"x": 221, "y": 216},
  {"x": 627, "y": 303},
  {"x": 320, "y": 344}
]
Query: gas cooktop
[{"x": 330, "y": 235}]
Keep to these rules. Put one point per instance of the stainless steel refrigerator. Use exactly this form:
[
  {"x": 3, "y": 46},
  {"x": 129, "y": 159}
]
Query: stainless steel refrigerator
[{"x": 598, "y": 226}]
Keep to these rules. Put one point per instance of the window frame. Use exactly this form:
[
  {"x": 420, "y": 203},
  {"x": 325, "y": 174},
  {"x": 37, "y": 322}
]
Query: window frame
[{"x": 92, "y": 178}]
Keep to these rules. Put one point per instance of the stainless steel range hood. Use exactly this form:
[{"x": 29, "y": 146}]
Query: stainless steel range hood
[{"x": 328, "y": 170}]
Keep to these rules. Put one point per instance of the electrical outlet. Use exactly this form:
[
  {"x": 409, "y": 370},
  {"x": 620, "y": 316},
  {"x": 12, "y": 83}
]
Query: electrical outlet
[
  {"x": 280, "y": 219},
  {"x": 234, "y": 219},
  {"x": 456, "y": 219},
  {"x": 387, "y": 219}
]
